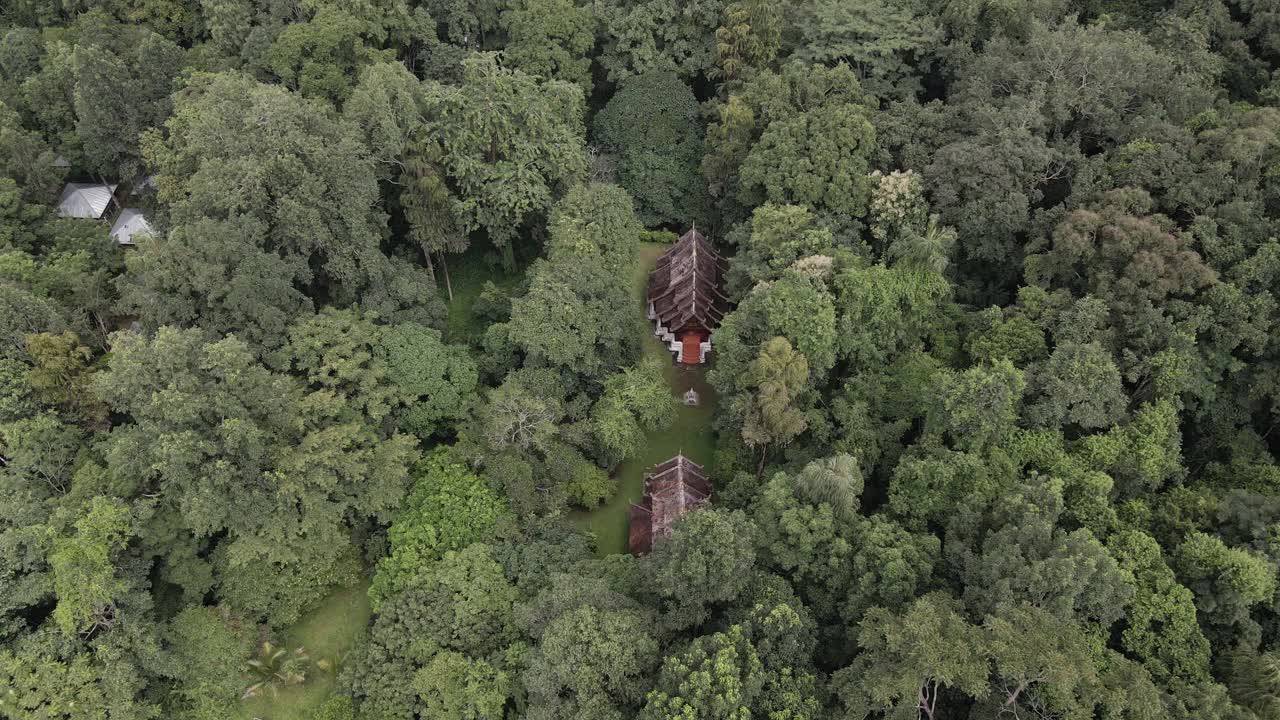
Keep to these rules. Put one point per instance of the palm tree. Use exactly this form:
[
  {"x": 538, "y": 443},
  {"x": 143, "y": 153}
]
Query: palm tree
[
  {"x": 836, "y": 480},
  {"x": 769, "y": 416},
  {"x": 1255, "y": 681},
  {"x": 928, "y": 251},
  {"x": 274, "y": 667}
]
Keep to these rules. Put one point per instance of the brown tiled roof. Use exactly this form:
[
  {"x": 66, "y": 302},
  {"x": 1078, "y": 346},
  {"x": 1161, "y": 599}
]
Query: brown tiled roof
[
  {"x": 684, "y": 287},
  {"x": 640, "y": 534},
  {"x": 671, "y": 489}
]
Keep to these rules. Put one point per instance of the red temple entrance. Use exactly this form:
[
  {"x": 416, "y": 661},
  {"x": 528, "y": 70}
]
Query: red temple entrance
[{"x": 691, "y": 348}]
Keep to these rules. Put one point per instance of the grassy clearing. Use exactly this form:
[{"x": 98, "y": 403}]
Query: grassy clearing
[
  {"x": 691, "y": 433},
  {"x": 328, "y": 632},
  {"x": 468, "y": 273}
]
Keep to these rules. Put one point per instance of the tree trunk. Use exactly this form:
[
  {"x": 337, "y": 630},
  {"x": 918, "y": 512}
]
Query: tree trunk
[
  {"x": 508, "y": 257},
  {"x": 448, "y": 285},
  {"x": 927, "y": 703},
  {"x": 431, "y": 268},
  {"x": 1013, "y": 696}
]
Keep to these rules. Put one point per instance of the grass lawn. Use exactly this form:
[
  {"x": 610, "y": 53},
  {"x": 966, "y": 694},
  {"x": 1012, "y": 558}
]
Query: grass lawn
[
  {"x": 691, "y": 432},
  {"x": 328, "y": 632}
]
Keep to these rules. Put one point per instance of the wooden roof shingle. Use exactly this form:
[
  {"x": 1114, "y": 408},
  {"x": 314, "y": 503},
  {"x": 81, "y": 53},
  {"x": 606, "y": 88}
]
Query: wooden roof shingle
[
  {"x": 684, "y": 286},
  {"x": 671, "y": 489}
]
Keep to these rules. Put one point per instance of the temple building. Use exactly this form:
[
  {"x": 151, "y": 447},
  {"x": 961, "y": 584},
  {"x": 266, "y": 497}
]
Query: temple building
[
  {"x": 685, "y": 298},
  {"x": 671, "y": 489}
]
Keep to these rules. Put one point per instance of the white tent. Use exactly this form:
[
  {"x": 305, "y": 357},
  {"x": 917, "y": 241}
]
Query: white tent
[
  {"x": 130, "y": 223},
  {"x": 85, "y": 200}
]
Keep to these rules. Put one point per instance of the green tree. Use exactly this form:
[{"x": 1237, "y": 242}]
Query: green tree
[
  {"x": 318, "y": 56},
  {"x": 1162, "y": 629},
  {"x": 889, "y": 566},
  {"x": 797, "y": 308},
  {"x": 42, "y": 452},
  {"x": 1078, "y": 385},
  {"x": 1041, "y": 663},
  {"x": 518, "y": 416},
  {"x": 303, "y": 177},
  {"x": 817, "y": 159},
  {"x": 1227, "y": 581},
  {"x": 1018, "y": 553},
  {"x": 575, "y": 316},
  {"x": 122, "y": 87},
  {"x": 665, "y": 35},
  {"x": 438, "y": 380},
  {"x": 978, "y": 407},
  {"x": 886, "y": 313},
  {"x": 512, "y": 145},
  {"x": 779, "y": 236},
  {"x": 399, "y": 374},
  {"x": 26, "y": 159},
  {"x": 208, "y": 652},
  {"x": 1255, "y": 680},
  {"x": 706, "y": 563},
  {"x": 276, "y": 472},
  {"x": 883, "y": 42},
  {"x": 590, "y": 663},
  {"x": 912, "y": 660},
  {"x": 454, "y": 686},
  {"x": 214, "y": 273},
  {"x": 448, "y": 509},
  {"x": 801, "y": 136},
  {"x": 805, "y": 542},
  {"x": 748, "y": 39},
  {"x": 1139, "y": 270},
  {"x": 769, "y": 413},
  {"x": 51, "y": 679},
  {"x": 721, "y": 677},
  {"x": 551, "y": 39},
  {"x": 460, "y": 610},
  {"x": 428, "y": 206},
  {"x": 652, "y": 124},
  {"x": 85, "y": 578},
  {"x": 61, "y": 378},
  {"x": 636, "y": 401},
  {"x": 836, "y": 481}
]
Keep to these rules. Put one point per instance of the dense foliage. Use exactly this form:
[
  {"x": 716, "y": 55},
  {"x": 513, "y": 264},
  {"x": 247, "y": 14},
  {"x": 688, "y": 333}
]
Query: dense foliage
[{"x": 997, "y": 392}]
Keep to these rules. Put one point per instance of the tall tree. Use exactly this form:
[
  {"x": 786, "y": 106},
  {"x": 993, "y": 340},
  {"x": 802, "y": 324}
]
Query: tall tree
[
  {"x": 652, "y": 124},
  {"x": 663, "y": 35},
  {"x": 769, "y": 413},
  {"x": 300, "y": 173},
  {"x": 276, "y": 473},
  {"x": 911, "y": 662},
  {"x": 801, "y": 136},
  {"x": 512, "y": 145},
  {"x": 551, "y": 39}
]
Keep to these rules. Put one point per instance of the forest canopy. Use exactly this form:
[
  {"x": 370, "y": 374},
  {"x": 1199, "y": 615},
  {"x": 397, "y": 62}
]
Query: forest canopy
[{"x": 325, "y": 373}]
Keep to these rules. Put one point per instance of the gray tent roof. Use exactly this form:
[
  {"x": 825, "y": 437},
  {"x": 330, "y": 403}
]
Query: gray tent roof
[
  {"x": 85, "y": 200},
  {"x": 131, "y": 222}
]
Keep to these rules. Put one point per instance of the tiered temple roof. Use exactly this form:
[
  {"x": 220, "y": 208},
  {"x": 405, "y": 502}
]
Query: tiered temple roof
[
  {"x": 684, "y": 287},
  {"x": 671, "y": 489}
]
